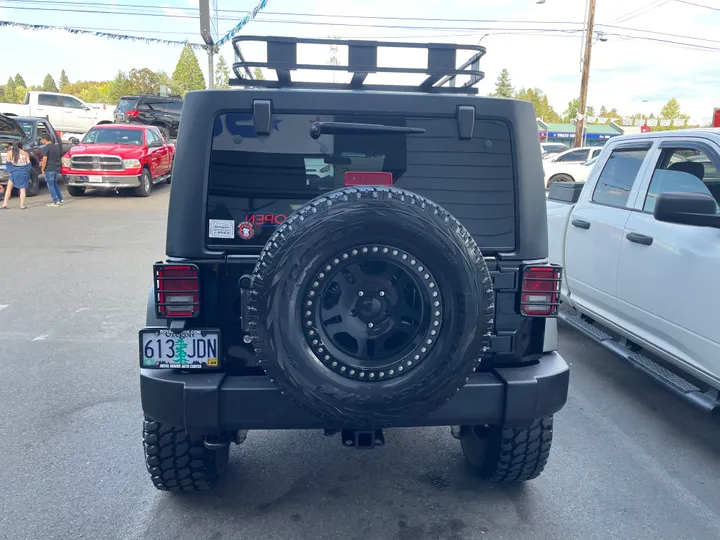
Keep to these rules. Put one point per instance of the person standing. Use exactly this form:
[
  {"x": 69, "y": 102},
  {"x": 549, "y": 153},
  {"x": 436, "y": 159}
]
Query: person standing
[
  {"x": 18, "y": 165},
  {"x": 52, "y": 160}
]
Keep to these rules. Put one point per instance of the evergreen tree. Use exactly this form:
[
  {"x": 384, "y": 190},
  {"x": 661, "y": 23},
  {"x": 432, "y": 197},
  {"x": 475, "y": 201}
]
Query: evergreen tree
[
  {"x": 503, "y": 85},
  {"x": 64, "y": 81},
  {"x": 119, "y": 87},
  {"x": 188, "y": 75},
  {"x": 19, "y": 81},
  {"x": 222, "y": 73},
  {"x": 603, "y": 111},
  {"x": 49, "y": 84}
]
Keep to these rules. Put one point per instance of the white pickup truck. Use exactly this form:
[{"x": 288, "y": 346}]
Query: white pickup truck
[
  {"x": 640, "y": 245},
  {"x": 70, "y": 115}
]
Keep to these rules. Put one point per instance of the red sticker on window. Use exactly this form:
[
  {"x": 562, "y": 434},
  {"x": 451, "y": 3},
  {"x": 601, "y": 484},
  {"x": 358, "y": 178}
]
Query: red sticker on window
[{"x": 246, "y": 230}]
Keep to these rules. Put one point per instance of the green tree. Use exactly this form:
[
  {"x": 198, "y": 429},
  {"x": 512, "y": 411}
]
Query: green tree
[
  {"x": 119, "y": 86},
  {"x": 222, "y": 73},
  {"x": 590, "y": 110},
  {"x": 188, "y": 75},
  {"x": 143, "y": 81},
  {"x": 64, "y": 81},
  {"x": 10, "y": 90},
  {"x": 503, "y": 85},
  {"x": 671, "y": 109},
  {"x": 180, "y": 353},
  {"x": 259, "y": 74},
  {"x": 571, "y": 111},
  {"x": 19, "y": 81},
  {"x": 3, "y": 99},
  {"x": 20, "y": 92},
  {"x": 537, "y": 97},
  {"x": 603, "y": 111},
  {"x": 49, "y": 84}
]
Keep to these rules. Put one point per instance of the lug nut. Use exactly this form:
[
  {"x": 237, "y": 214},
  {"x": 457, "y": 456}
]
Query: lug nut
[
  {"x": 370, "y": 325},
  {"x": 360, "y": 293},
  {"x": 382, "y": 293}
]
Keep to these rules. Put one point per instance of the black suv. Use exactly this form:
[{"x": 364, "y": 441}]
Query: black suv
[
  {"x": 162, "y": 112},
  {"x": 353, "y": 257}
]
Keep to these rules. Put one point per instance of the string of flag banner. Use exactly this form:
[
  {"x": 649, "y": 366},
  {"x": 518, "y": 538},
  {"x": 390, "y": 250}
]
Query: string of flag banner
[
  {"x": 108, "y": 35},
  {"x": 638, "y": 122},
  {"x": 249, "y": 17}
]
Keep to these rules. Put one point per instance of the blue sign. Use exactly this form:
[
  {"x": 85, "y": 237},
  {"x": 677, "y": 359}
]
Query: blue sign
[{"x": 569, "y": 135}]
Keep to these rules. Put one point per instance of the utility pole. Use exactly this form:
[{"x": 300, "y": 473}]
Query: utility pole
[
  {"x": 206, "y": 33},
  {"x": 580, "y": 122}
]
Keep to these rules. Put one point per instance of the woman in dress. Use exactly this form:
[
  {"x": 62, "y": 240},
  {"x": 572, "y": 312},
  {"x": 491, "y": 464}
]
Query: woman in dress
[{"x": 18, "y": 165}]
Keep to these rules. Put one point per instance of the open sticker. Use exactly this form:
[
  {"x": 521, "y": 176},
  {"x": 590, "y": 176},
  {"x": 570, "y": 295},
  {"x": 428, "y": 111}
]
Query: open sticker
[{"x": 221, "y": 228}]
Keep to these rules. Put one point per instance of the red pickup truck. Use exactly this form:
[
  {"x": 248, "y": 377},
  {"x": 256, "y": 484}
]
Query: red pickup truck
[{"x": 119, "y": 156}]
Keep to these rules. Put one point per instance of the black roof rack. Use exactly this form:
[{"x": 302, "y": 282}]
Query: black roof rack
[{"x": 362, "y": 60}]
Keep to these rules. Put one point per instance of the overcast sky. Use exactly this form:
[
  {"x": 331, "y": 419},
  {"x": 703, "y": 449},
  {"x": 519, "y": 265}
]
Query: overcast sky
[{"x": 625, "y": 70}]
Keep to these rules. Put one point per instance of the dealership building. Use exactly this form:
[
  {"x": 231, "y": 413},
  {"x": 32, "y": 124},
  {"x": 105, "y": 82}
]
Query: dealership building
[{"x": 595, "y": 134}]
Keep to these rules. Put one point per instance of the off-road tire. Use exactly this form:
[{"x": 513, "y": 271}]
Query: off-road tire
[
  {"x": 310, "y": 239},
  {"x": 146, "y": 184},
  {"x": 165, "y": 132},
  {"x": 177, "y": 461},
  {"x": 33, "y": 187},
  {"x": 508, "y": 455},
  {"x": 76, "y": 191}
]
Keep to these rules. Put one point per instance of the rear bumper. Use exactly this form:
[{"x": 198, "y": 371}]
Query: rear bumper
[
  {"x": 108, "y": 182},
  {"x": 212, "y": 402}
]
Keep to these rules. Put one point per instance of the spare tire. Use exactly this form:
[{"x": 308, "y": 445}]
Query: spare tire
[{"x": 370, "y": 307}]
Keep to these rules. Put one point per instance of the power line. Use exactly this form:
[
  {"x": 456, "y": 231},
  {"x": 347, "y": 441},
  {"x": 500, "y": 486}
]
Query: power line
[
  {"x": 403, "y": 27},
  {"x": 287, "y": 14},
  {"x": 698, "y": 5},
  {"x": 641, "y": 11}
]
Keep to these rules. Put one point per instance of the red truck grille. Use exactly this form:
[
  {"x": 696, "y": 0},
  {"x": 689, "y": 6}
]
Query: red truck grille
[{"x": 96, "y": 163}]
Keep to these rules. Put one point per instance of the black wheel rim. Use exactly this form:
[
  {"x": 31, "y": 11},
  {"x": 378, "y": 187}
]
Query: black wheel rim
[{"x": 372, "y": 313}]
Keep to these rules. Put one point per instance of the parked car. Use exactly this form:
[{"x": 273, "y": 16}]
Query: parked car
[
  {"x": 640, "y": 244},
  {"x": 31, "y": 131},
  {"x": 70, "y": 115},
  {"x": 371, "y": 306},
  {"x": 163, "y": 112},
  {"x": 119, "y": 156},
  {"x": 567, "y": 171}
]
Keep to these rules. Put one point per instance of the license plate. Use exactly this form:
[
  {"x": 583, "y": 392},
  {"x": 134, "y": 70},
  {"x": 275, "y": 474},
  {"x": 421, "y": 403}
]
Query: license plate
[
  {"x": 187, "y": 349},
  {"x": 95, "y": 179}
]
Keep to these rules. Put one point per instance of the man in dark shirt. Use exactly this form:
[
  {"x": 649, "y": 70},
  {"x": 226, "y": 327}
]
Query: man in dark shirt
[{"x": 52, "y": 160}]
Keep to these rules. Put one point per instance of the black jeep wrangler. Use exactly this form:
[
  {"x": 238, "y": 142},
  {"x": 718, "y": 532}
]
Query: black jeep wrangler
[{"x": 353, "y": 257}]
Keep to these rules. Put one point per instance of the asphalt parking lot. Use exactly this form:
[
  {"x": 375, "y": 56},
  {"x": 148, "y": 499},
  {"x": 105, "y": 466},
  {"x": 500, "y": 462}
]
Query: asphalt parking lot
[{"x": 629, "y": 460}]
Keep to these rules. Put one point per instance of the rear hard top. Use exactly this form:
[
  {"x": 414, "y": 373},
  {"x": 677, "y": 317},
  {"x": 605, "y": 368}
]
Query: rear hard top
[{"x": 246, "y": 160}]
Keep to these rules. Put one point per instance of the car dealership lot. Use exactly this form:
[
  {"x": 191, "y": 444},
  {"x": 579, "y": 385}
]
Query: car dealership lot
[{"x": 629, "y": 459}]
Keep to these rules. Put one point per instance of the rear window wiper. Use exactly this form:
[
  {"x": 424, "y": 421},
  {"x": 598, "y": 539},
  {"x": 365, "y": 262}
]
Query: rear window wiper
[{"x": 345, "y": 128}]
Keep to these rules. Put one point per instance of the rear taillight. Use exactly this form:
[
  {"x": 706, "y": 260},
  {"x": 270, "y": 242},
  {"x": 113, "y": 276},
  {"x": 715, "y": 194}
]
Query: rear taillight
[
  {"x": 368, "y": 179},
  {"x": 177, "y": 290},
  {"x": 132, "y": 113},
  {"x": 540, "y": 295}
]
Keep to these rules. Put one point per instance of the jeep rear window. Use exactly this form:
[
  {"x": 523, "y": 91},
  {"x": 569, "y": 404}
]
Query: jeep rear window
[{"x": 256, "y": 182}]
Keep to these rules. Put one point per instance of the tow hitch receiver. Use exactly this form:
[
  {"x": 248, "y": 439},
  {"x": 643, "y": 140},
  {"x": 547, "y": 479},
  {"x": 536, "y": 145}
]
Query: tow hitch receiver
[{"x": 362, "y": 438}]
